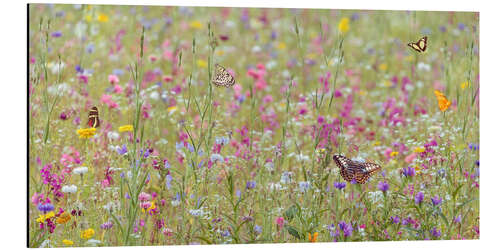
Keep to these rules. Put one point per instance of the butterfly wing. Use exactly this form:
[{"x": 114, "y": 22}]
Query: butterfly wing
[
  {"x": 365, "y": 170},
  {"x": 93, "y": 118},
  {"x": 222, "y": 77},
  {"x": 420, "y": 45},
  {"x": 343, "y": 163},
  {"x": 354, "y": 170}
]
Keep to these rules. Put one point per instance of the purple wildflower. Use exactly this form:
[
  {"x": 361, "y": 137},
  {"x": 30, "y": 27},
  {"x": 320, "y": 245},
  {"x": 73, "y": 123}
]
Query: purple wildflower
[
  {"x": 45, "y": 207},
  {"x": 435, "y": 232},
  {"x": 56, "y": 34},
  {"x": 395, "y": 219},
  {"x": 107, "y": 225},
  {"x": 383, "y": 186},
  {"x": 251, "y": 184},
  {"x": 123, "y": 150},
  {"x": 409, "y": 172},
  {"x": 436, "y": 200},
  {"x": 346, "y": 228},
  {"x": 339, "y": 185},
  {"x": 419, "y": 197}
]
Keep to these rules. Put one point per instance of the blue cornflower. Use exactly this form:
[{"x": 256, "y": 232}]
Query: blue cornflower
[
  {"x": 251, "y": 184},
  {"x": 304, "y": 186},
  {"x": 47, "y": 207},
  {"x": 257, "y": 229}
]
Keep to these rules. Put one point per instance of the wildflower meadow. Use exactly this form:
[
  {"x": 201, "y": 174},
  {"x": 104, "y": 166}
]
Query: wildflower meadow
[{"x": 168, "y": 157}]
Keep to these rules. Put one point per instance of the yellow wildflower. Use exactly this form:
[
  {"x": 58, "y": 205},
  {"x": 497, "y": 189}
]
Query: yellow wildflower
[
  {"x": 362, "y": 93},
  {"x": 125, "y": 128},
  {"x": 442, "y": 101},
  {"x": 382, "y": 66},
  {"x": 195, "y": 25},
  {"x": 202, "y": 63},
  {"x": 314, "y": 237},
  {"x": 87, "y": 234},
  {"x": 419, "y": 150},
  {"x": 63, "y": 218},
  {"x": 418, "y": 169},
  {"x": 387, "y": 83},
  {"x": 88, "y": 18},
  {"x": 171, "y": 110},
  {"x": 376, "y": 143},
  {"x": 220, "y": 52},
  {"x": 464, "y": 85},
  {"x": 152, "y": 207},
  {"x": 67, "y": 242},
  {"x": 394, "y": 153},
  {"x": 281, "y": 45},
  {"x": 41, "y": 218},
  {"x": 102, "y": 18},
  {"x": 344, "y": 25},
  {"x": 86, "y": 133}
]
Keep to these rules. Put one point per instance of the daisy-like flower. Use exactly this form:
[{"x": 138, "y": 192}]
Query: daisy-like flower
[
  {"x": 126, "y": 128},
  {"x": 87, "y": 234},
  {"x": 69, "y": 189},
  {"x": 67, "y": 242},
  {"x": 80, "y": 170},
  {"x": 86, "y": 133}
]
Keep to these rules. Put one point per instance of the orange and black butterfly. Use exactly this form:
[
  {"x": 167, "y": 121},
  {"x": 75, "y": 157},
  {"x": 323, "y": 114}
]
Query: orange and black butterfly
[
  {"x": 355, "y": 170},
  {"x": 93, "y": 118},
  {"x": 420, "y": 45}
]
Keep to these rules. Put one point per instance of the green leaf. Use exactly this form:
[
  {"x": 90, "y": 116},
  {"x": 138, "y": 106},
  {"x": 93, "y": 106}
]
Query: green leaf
[
  {"x": 291, "y": 212},
  {"x": 294, "y": 232}
]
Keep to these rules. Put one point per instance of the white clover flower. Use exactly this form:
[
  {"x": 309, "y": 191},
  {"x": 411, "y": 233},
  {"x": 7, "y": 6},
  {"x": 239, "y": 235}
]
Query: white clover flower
[
  {"x": 80, "y": 170},
  {"x": 216, "y": 157},
  {"x": 93, "y": 242},
  {"x": 154, "y": 95},
  {"x": 286, "y": 177},
  {"x": 69, "y": 189},
  {"x": 113, "y": 135}
]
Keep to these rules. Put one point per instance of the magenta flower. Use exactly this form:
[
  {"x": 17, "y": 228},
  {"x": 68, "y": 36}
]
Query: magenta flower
[
  {"x": 280, "y": 221},
  {"x": 113, "y": 79}
]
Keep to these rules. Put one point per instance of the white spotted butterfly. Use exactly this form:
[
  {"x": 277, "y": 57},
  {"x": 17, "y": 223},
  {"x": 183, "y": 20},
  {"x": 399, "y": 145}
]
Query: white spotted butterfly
[{"x": 222, "y": 77}]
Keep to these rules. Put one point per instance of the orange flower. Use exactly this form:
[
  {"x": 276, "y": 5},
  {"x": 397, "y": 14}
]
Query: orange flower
[
  {"x": 63, "y": 218},
  {"x": 444, "y": 104},
  {"x": 314, "y": 237}
]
